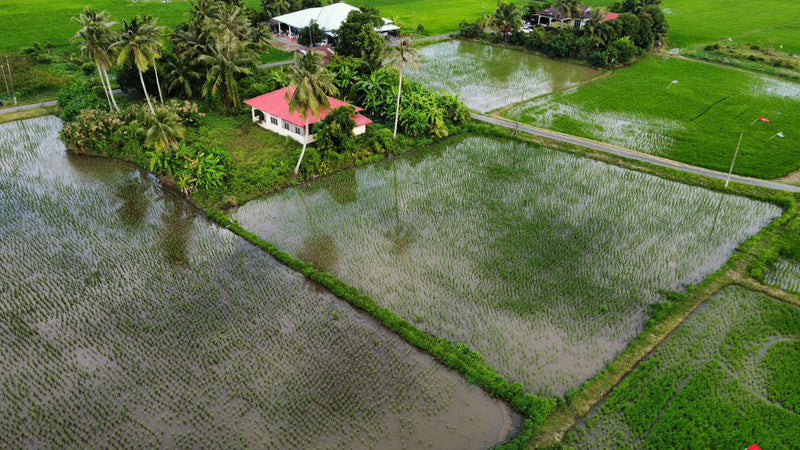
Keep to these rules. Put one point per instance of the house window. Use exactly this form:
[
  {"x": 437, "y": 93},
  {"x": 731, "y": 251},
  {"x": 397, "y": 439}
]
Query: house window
[
  {"x": 285, "y": 125},
  {"x": 274, "y": 120},
  {"x": 297, "y": 130}
]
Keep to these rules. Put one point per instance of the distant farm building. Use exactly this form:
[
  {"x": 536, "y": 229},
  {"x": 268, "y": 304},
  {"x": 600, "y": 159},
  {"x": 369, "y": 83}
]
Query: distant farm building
[
  {"x": 271, "y": 111},
  {"x": 329, "y": 18},
  {"x": 557, "y": 16}
]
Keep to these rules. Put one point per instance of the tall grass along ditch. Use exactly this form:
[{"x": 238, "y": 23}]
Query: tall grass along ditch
[
  {"x": 543, "y": 262},
  {"x": 127, "y": 320},
  {"x": 725, "y": 379}
]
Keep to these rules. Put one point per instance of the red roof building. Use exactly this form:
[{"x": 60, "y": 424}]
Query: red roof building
[{"x": 271, "y": 111}]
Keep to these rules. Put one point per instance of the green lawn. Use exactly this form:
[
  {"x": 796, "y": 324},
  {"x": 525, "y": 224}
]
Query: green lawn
[
  {"x": 440, "y": 17},
  {"x": 768, "y": 23},
  {"x": 260, "y": 159},
  {"x": 697, "y": 120},
  {"x": 45, "y": 21},
  {"x": 276, "y": 55}
]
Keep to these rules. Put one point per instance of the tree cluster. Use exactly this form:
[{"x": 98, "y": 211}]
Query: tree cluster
[{"x": 640, "y": 26}]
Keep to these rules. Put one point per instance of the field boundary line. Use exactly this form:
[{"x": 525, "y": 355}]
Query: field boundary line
[{"x": 628, "y": 153}]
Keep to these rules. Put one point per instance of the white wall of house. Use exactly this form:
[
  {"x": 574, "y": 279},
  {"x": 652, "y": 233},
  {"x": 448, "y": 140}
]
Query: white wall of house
[{"x": 284, "y": 128}]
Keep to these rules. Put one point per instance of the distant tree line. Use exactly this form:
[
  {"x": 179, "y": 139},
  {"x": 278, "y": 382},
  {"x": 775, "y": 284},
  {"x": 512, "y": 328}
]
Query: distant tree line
[{"x": 640, "y": 26}]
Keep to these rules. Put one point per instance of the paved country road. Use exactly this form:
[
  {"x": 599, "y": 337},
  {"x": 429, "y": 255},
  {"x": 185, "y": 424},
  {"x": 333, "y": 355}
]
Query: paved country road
[
  {"x": 626, "y": 153},
  {"x": 40, "y": 105}
]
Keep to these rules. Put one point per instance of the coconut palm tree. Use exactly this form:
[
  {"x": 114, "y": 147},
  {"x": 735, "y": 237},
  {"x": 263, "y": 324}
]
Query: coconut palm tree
[
  {"x": 156, "y": 34},
  {"x": 95, "y": 38},
  {"x": 137, "y": 44},
  {"x": 571, "y": 8},
  {"x": 165, "y": 130},
  {"x": 596, "y": 29},
  {"x": 310, "y": 85},
  {"x": 401, "y": 56},
  {"x": 226, "y": 61},
  {"x": 506, "y": 18}
]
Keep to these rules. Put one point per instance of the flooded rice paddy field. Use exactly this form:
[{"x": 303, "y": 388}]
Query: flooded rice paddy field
[
  {"x": 127, "y": 320},
  {"x": 696, "y": 120},
  {"x": 487, "y": 77},
  {"x": 544, "y": 262},
  {"x": 727, "y": 377},
  {"x": 785, "y": 275}
]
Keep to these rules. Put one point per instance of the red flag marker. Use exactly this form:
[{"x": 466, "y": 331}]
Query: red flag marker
[
  {"x": 763, "y": 119},
  {"x": 754, "y": 447}
]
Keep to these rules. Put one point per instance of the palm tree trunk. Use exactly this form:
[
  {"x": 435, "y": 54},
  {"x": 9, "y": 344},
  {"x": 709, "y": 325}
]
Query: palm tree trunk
[
  {"x": 110, "y": 90},
  {"x": 103, "y": 82},
  {"x": 158, "y": 84},
  {"x": 397, "y": 109},
  {"x": 144, "y": 88},
  {"x": 302, "y": 153}
]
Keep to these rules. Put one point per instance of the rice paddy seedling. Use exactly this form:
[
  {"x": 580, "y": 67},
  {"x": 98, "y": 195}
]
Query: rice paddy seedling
[
  {"x": 727, "y": 377},
  {"x": 785, "y": 274},
  {"x": 697, "y": 120},
  {"x": 128, "y": 321},
  {"x": 543, "y": 262},
  {"x": 487, "y": 77}
]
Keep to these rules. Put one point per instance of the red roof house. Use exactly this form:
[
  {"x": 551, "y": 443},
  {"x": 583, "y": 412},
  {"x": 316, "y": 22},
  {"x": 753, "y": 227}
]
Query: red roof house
[{"x": 271, "y": 111}]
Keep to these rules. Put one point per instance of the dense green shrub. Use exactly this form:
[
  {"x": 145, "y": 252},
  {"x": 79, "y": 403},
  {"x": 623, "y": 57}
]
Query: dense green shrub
[
  {"x": 335, "y": 132},
  {"x": 78, "y": 96}
]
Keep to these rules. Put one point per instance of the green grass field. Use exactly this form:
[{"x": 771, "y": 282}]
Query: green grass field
[
  {"x": 726, "y": 378},
  {"x": 43, "y": 21},
  {"x": 697, "y": 120},
  {"x": 768, "y": 23}
]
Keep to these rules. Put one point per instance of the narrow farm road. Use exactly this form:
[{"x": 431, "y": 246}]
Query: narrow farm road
[
  {"x": 40, "y": 104},
  {"x": 24, "y": 107},
  {"x": 276, "y": 64},
  {"x": 627, "y": 153}
]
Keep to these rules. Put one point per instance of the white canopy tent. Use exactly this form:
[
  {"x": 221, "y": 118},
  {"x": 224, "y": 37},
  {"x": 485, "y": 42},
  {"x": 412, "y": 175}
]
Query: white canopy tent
[{"x": 329, "y": 18}]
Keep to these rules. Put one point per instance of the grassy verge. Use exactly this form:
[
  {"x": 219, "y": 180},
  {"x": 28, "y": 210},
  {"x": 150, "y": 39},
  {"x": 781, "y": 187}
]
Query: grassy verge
[
  {"x": 756, "y": 60},
  {"x": 27, "y": 114},
  {"x": 276, "y": 55},
  {"x": 454, "y": 356}
]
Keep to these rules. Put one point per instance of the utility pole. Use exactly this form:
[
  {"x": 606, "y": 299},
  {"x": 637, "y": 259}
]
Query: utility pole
[
  {"x": 728, "y": 179},
  {"x": 5, "y": 81},
  {"x": 13, "y": 94}
]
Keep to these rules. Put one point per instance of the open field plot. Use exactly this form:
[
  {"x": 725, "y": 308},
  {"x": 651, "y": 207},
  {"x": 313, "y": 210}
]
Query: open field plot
[
  {"x": 725, "y": 379},
  {"x": 767, "y": 23},
  {"x": 487, "y": 77},
  {"x": 129, "y": 321},
  {"x": 543, "y": 262},
  {"x": 697, "y": 120},
  {"x": 48, "y": 22},
  {"x": 785, "y": 274}
]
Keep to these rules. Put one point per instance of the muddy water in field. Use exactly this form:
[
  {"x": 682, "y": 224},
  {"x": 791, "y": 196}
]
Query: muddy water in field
[
  {"x": 127, "y": 321},
  {"x": 488, "y": 77},
  {"x": 544, "y": 262}
]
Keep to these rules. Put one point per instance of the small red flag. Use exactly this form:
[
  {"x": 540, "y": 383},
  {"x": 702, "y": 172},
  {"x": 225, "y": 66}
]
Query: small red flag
[
  {"x": 754, "y": 447},
  {"x": 763, "y": 119}
]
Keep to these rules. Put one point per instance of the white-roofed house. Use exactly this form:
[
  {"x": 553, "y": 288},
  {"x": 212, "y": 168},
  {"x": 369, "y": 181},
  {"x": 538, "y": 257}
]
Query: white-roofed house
[{"x": 329, "y": 18}]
